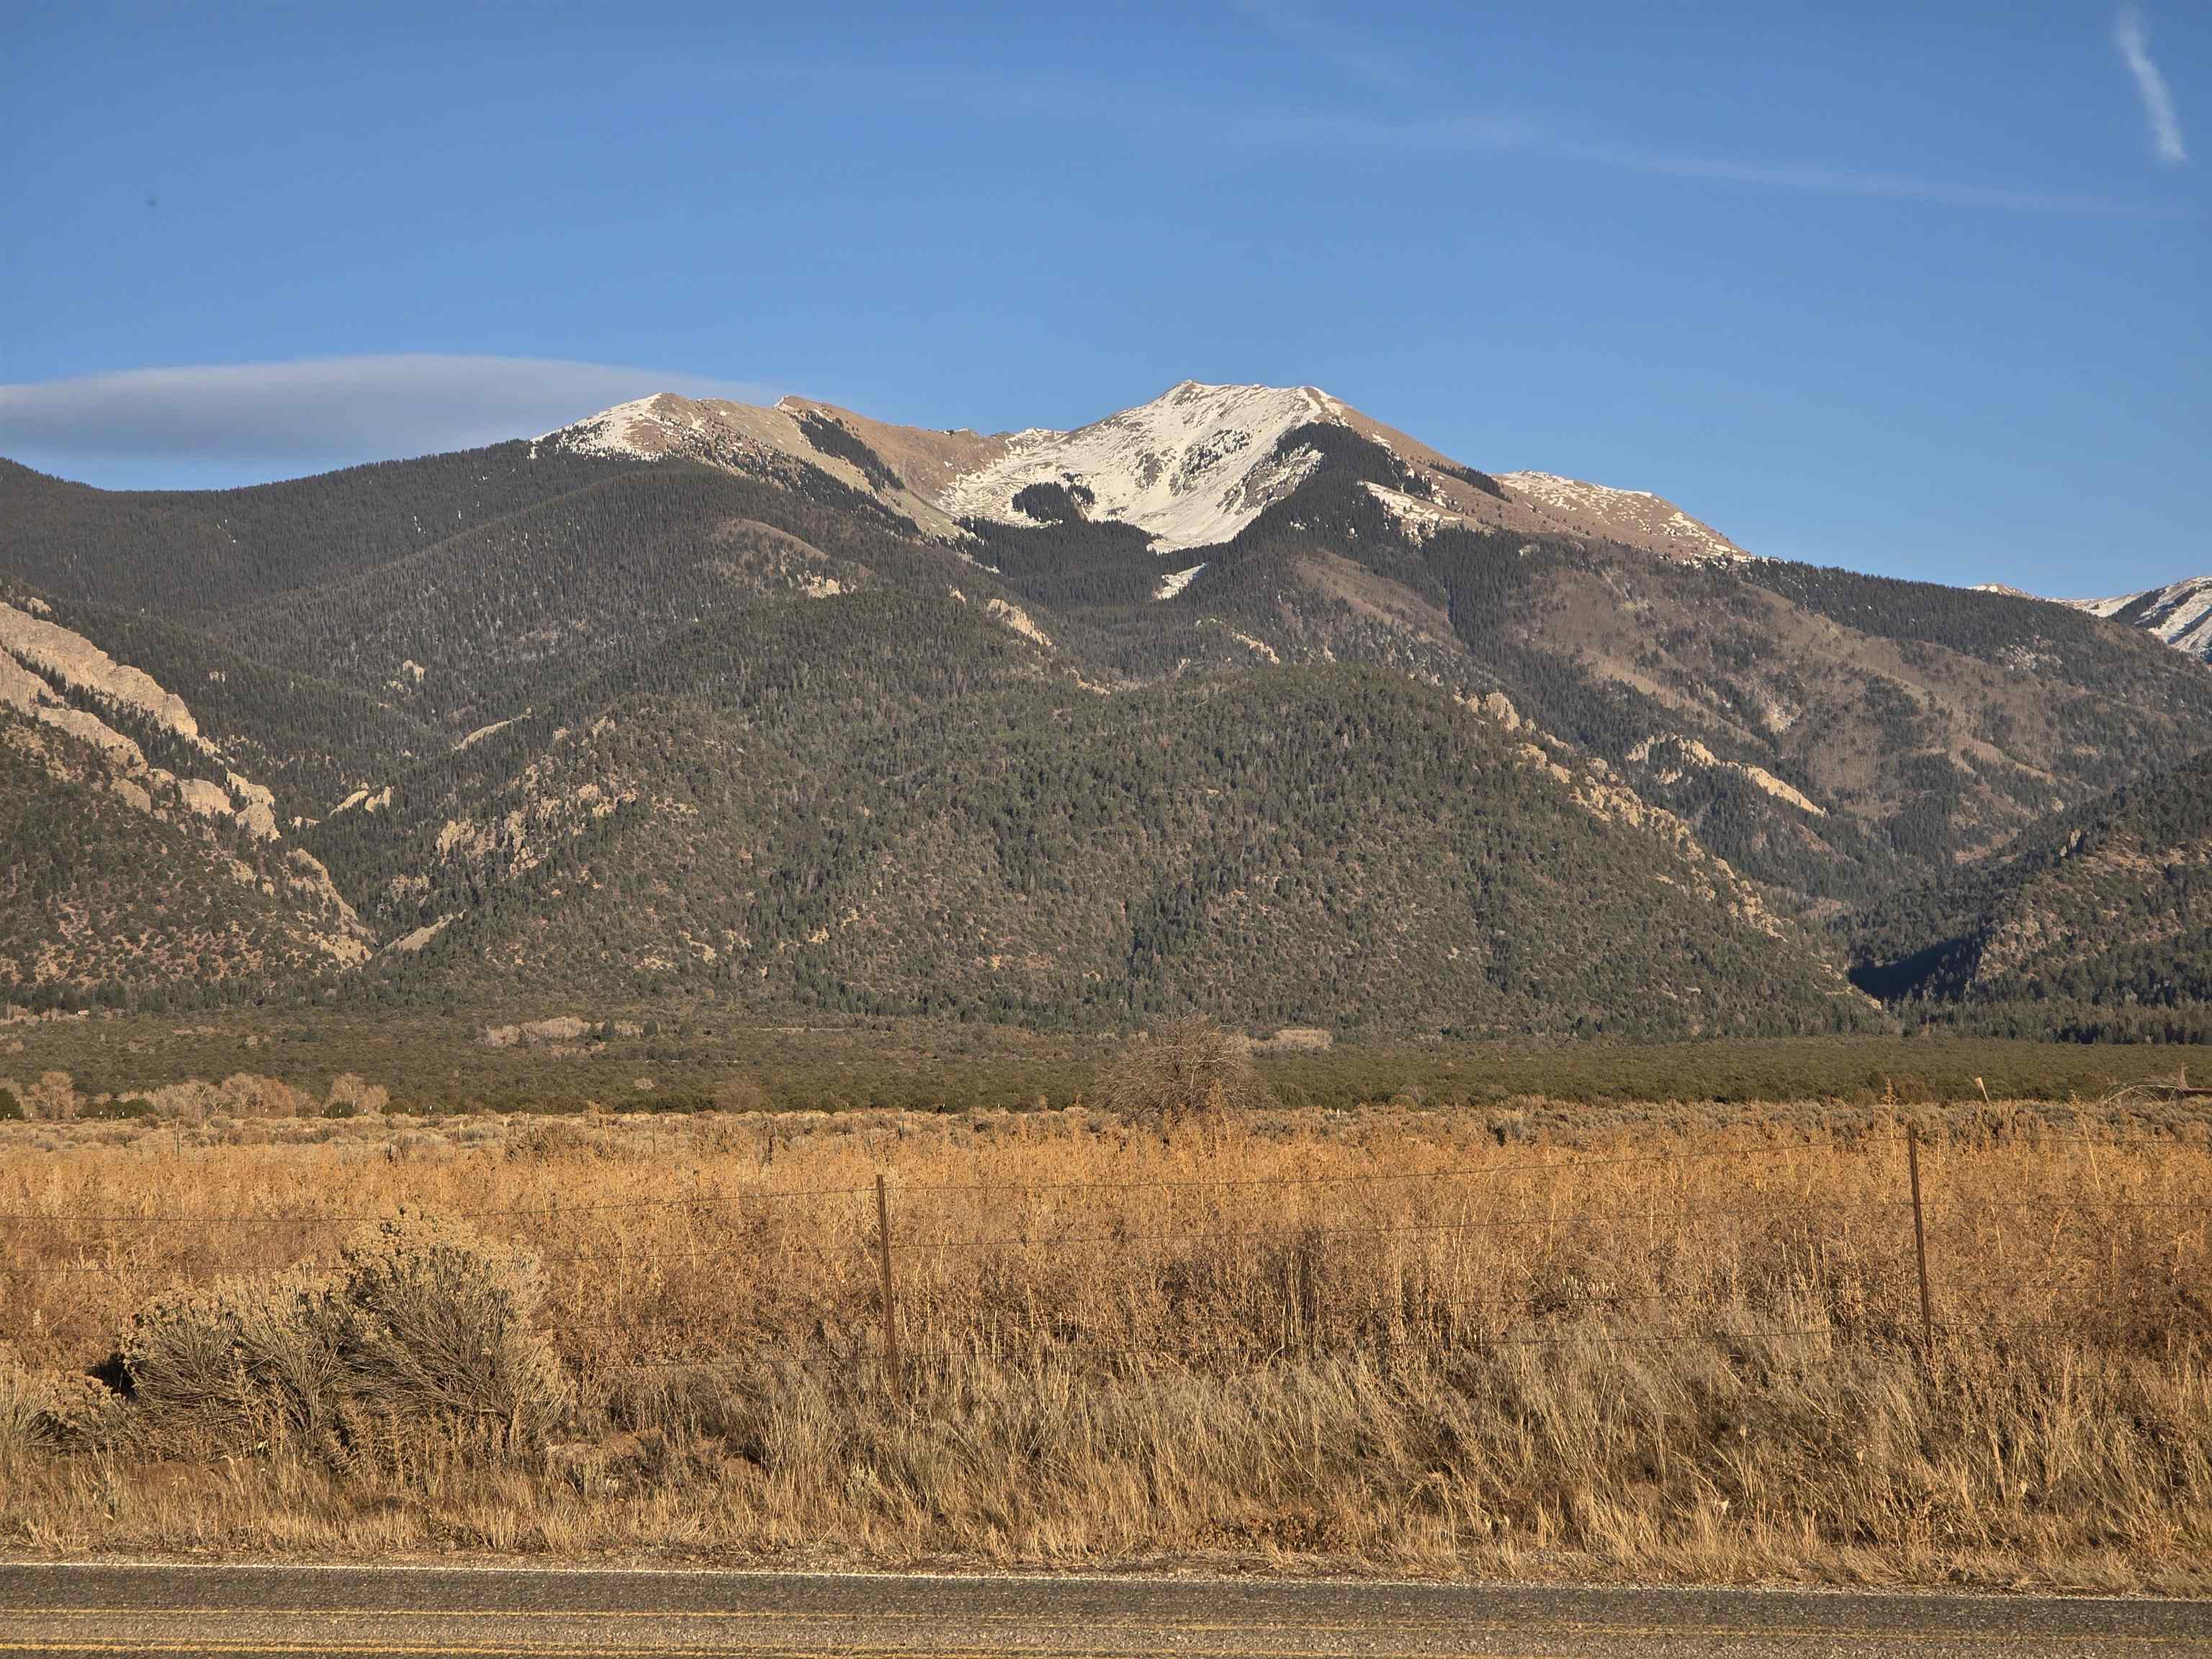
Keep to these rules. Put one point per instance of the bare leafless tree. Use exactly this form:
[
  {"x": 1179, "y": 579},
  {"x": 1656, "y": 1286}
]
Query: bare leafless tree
[{"x": 1186, "y": 1070}]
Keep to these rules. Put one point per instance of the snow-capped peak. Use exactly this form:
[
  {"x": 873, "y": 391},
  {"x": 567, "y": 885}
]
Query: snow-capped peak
[{"x": 1193, "y": 467}]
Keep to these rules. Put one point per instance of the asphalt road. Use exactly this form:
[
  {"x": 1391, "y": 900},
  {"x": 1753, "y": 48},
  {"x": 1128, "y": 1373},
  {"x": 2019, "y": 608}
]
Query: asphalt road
[{"x": 225, "y": 1610}]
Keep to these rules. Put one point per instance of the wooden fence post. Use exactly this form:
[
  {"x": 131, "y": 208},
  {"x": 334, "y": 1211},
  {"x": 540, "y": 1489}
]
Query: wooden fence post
[
  {"x": 891, "y": 1306},
  {"x": 1920, "y": 1241}
]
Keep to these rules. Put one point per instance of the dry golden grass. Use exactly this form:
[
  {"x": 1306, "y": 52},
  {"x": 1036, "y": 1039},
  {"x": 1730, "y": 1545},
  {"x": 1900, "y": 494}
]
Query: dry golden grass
[{"x": 1395, "y": 1340}]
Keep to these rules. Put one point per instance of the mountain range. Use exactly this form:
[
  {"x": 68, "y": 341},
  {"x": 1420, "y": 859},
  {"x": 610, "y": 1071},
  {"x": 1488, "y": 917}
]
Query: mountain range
[{"x": 1238, "y": 701}]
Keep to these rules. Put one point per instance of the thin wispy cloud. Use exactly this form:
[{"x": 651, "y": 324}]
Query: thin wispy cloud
[
  {"x": 1321, "y": 131},
  {"x": 1147, "y": 118},
  {"x": 268, "y": 419},
  {"x": 1333, "y": 41},
  {"x": 1502, "y": 135},
  {"x": 1498, "y": 133},
  {"x": 1811, "y": 179},
  {"x": 2131, "y": 34}
]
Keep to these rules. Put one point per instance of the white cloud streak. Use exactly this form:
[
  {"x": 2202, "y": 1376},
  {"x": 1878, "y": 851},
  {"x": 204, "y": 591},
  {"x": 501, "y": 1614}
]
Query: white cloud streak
[
  {"x": 1506, "y": 135},
  {"x": 275, "y": 418},
  {"x": 1811, "y": 178},
  {"x": 1335, "y": 41},
  {"x": 2132, "y": 36},
  {"x": 1501, "y": 134},
  {"x": 1146, "y": 119}
]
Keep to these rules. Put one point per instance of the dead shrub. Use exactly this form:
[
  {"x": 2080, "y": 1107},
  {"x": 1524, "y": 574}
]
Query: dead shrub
[
  {"x": 54, "y": 1098},
  {"x": 1187, "y": 1069},
  {"x": 255, "y": 1096},
  {"x": 740, "y": 1092},
  {"x": 551, "y": 1140}
]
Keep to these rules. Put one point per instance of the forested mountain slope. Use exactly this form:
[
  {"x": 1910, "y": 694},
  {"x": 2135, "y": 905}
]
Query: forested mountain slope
[
  {"x": 903, "y": 815},
  {"x": 819, "y": 715},
  {"x": 201, "y": 554},
  {"x": 107, "y": 887},
  {"x": 2100, "y": 921},
  {"x": 1826, "y": 732}
]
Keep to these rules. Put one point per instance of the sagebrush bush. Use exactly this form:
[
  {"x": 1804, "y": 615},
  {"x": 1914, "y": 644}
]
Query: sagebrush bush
[
  {"x": 244, "y": 1361},
  {"x": 42, "y": 1410},
  {"x": 447, "y": 1326},
  {"x": 423, "y": 1327}
]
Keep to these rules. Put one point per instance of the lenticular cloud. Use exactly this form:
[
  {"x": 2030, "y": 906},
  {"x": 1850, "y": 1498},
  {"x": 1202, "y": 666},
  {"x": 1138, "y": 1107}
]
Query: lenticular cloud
[{"x": 322, "y": 411}]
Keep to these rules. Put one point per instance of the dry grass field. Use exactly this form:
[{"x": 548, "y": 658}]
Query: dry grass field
[{"x": 1418, "y": 1342}]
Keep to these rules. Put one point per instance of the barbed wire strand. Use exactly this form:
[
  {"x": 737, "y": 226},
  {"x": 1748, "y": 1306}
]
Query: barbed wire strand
[
  {"x": 1567, "y": 1167},
  {"x": 712, "y": 1248}
]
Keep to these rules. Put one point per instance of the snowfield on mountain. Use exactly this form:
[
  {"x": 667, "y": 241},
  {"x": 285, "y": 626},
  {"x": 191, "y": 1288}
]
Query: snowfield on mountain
[{"x": 1194, "y": 467}]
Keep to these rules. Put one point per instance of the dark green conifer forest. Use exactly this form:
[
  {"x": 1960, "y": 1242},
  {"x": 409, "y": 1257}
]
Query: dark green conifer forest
[{"x": 570, "y": 729}]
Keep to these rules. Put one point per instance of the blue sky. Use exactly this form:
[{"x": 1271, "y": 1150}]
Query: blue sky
[{"x": 1926, "y": 295}]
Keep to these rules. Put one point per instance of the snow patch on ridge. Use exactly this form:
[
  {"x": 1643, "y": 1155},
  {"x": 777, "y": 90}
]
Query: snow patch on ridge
[
  {"x": 618, "y": 431},
  {"x": 1553, "y": 490},
  {"x": 2179, "y": 613},
  {"x": 1417, "y": 518},
  {"x": 1192, "y": 468}
]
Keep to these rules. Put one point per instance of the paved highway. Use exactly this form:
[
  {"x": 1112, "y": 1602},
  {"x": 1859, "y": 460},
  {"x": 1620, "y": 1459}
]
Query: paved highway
[{"x": 241, "y": 1610}]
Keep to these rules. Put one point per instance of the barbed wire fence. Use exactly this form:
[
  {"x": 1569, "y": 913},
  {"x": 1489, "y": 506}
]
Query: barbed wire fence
[{"x": 897, "y": 1225}]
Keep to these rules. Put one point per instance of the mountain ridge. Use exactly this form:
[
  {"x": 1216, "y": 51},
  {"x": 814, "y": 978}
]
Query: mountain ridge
[
  {"x": 2180, "y": 612},
  {"x": 1192, "y": 467},
  {"x": 815, "y": 716}
]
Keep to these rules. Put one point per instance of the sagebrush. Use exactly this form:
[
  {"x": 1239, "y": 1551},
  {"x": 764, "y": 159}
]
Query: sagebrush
[{"x": 422, "y": 1329}]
